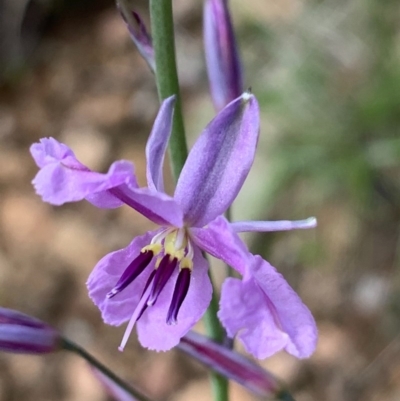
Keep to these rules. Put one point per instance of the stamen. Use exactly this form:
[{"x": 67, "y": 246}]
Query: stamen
[
  {"x": 132, "y": 272},
  {"x": 163, "y": 274},
  {"x": 136, "y": 314},
  {"x": 180, "y": 292}
]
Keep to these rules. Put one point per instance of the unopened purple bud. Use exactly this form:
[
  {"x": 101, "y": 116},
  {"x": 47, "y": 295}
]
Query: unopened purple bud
[
  {"x": 232, "y": 365},
  {"x": 222, "y": 56},
  {"x": 139, "y": 34},
  {"x": 20, "y": 333}
]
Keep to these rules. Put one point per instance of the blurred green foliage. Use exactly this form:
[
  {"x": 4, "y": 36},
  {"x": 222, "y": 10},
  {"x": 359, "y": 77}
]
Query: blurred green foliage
[{"x": 329, "y": 82}]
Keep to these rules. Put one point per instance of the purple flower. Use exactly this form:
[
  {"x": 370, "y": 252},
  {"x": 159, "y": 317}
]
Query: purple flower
[
  {"x": 21, "y": 333},
  {"x": 159, "y": 282},
  {"x": 222, "y": 56}
]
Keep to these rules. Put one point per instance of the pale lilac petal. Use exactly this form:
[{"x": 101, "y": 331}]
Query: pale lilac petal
[
  {"x": 154, "y": 333},
  {"x": 220, "y": 241},
  {"x": 156, "y": 206},
  {"x": 282, "y": 225},
  {"x": 62, "y": 178},
  {"x": 223, "y": 63},
  {"x": 265, "y": 313},
  {"x": 106, "y": 274},
  {"x": 49, "y": 150},
  {"x": 157, "y": 144},
  {"x": 219, "y": 162},
  {"x": 57, "y": 183}
]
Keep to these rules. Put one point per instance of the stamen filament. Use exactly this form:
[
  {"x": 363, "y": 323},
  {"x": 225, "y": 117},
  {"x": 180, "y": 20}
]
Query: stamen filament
[{"x": 136, "y": 314}]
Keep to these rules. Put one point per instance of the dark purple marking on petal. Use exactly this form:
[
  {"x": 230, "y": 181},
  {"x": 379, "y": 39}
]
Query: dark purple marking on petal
[
  {"x": 132, "y": 272},
  {"x": 180, "y": 292},
  {"x": 162, "y": 274}
]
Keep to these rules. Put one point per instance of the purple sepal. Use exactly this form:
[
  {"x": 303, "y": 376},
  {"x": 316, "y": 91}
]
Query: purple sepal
[
  {"x": 20, "y": 333},
  {"x": 222, "y": 56},
  {"x": 230, "y": 364}
]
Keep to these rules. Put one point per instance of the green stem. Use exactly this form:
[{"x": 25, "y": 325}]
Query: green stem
[
  {"x": 219, "y": 383},
  {"x": 70, "y": 346},
  {"x": 162, "y": 30}
]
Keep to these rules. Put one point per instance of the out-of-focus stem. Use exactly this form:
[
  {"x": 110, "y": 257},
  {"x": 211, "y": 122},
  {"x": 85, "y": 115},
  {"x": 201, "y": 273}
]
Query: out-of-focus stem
[{"x": 70, "y": 346}]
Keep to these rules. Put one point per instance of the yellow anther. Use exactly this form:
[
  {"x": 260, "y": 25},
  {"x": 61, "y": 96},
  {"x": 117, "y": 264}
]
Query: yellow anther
[
  {"x": 155, "y": 248},
  {"x": 186, "y": 263}
]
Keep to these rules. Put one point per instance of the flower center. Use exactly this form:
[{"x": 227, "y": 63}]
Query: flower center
[{"x": 171, "y": 249}]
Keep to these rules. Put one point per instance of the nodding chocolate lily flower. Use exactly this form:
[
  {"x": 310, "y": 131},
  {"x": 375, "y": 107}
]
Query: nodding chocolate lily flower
[
  {"x": 222, "y": 55},
  {"x": 159, "y": 282},
  {"x": 20, "y": 333}
]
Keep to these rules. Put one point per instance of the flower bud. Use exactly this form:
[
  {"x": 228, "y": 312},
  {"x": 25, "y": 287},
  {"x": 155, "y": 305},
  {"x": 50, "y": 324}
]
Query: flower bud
[
  {"x": 232, "y": 365},
  {"x": 139, "y": 35},
  {"x": 20, "y": 333},
  {"x": 222, "y": 57}
]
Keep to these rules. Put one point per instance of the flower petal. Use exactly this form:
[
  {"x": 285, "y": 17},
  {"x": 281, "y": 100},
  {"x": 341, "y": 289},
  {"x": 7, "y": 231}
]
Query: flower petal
[
  {"x": 107, "y": 272},
  {"x": 154, "y": 333},
  {"x": 62, "y": 178},
  {"x": 157, "y": 144},
  {"x": 223, "y": 63},
  {"x": 282, "y": 225},
  {"x": 220, "y": 241},
  {"x": 49, "y": 150},
  {"x": 156, "y": 206},
  {"x": 219, "y": 162},
  {"x": 266, "y": 314}
]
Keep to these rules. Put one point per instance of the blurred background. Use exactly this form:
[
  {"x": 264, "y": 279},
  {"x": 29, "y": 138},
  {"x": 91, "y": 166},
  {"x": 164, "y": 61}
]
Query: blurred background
[{"x": 327, "y": 75}]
